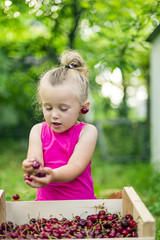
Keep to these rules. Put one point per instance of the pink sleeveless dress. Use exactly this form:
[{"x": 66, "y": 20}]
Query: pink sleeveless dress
[{"x": 57, "y": 149}]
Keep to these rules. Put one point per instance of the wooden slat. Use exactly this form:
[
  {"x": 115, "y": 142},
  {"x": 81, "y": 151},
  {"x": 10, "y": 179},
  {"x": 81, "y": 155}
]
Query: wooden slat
[
  {"x": 2, "y": 207},
  {"x": 132, "y": 204}
]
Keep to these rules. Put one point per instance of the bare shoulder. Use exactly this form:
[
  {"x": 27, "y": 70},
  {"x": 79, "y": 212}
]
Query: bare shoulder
[
  {"x": 36, "y": 129},
  {"x": 90, "y": 130}
]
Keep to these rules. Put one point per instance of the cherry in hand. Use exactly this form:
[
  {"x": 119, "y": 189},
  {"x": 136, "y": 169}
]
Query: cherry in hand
[
  {"x": 27, "y": 177},
  {"x": 40, "y": 175},
  {"x": 36, "y": 164}
]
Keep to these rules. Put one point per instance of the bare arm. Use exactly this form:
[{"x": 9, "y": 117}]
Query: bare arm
[
  {"x": 77, "y": 163},
  {"x": 34, "y": 149}
]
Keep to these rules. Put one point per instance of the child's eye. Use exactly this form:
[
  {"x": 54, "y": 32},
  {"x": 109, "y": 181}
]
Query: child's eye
[
  {"x": 63, "y": 109},
  {"x": 48, "y": 108}
]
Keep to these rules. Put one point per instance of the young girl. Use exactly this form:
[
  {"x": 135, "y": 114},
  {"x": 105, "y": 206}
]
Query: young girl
[{"x": 63, "y": 145}]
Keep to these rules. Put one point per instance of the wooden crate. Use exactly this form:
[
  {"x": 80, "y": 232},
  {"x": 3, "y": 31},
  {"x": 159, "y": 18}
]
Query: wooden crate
[{"x": 19, "y": 212}]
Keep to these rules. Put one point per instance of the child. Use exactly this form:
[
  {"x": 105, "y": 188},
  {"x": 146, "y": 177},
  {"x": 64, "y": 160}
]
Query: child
[{"x": 63, "y": 145}]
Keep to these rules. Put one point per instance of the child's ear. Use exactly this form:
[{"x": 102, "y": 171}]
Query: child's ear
[{"x": 85, "y": 108}]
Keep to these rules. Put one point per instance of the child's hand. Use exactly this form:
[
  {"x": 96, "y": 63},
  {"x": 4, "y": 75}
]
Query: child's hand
[
  {"x": 28, "y": 166},
  {"x": 37, "y": 182}
]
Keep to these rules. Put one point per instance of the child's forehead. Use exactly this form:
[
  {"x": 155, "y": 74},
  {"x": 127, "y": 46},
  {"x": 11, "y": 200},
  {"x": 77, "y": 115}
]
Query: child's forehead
[{"x": 59, "y": 91}]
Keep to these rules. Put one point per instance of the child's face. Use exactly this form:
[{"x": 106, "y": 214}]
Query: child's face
[{"x": 60, "y": 105}]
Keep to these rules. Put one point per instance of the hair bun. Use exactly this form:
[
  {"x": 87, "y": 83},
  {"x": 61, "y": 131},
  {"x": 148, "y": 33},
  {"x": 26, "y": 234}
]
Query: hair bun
[{"x": 73, "y": 59}]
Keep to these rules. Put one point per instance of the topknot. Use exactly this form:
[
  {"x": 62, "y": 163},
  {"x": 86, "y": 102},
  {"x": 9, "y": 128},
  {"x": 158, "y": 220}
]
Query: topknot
[{"x": 73, "y": 59}]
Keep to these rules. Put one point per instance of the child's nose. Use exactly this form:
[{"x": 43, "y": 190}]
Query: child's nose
[{"x": 55, "y": 113}]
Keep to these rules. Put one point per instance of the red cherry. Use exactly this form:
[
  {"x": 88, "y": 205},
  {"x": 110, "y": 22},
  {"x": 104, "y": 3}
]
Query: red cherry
[
  {"x": 16, "y": 196},
  {"x": 125, "y": 223},
  {"x": 129, "y": 229},
  {"x": 84, "y": 110},
  {"x": 132, "y": 224},
  {"x": 134, "y": 234},
  {"x": 27, "y": 177},
  {"x": 102, "y": 217},
  {"x": 112, "y": 235},
  {"x": 129, "y": 217},
  {"x": 110, "y": 218},
  {"x": 40, "y": 175},
  {"x": 36, "y": 164},
  {"x": 102, "y": 212},
  {"x": 125, "y": 232},
  {"x": 94, "y": 218},
  {"x": 77, "y": 218},
  {"x": 89, "y": 224},
  {"x": 118, "y": 235}
]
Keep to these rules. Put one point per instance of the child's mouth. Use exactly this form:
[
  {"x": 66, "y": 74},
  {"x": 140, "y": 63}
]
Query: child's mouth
[{"x": 56, "y": 124}]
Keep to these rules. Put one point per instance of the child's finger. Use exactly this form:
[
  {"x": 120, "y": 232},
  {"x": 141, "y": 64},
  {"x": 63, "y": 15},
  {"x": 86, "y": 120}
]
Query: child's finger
[
  {"x": 43, "y": 181},
  {"x": 34, "y": 184},
  {"x": 46, "y": 170}
]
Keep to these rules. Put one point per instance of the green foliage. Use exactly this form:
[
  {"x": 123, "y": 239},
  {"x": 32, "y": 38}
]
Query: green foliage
[{"x": 126, "y": 140}]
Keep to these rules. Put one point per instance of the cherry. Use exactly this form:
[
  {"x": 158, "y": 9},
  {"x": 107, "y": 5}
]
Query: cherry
[
  {"x": 134, "y": 234},
  {"x": 107, "y": 224},
  {"x": 101, "y": 212},
  {"x": 91, "y": 234},
  {"x": 119, "y": 229},
  {"x": 84, "y": 110},
  {"x": 115, "y": 216},
  {"x": 89, "y": 224},
  {"x": 98, "y": 227},
  {"x": 125, "y": 223},
  {"x": 118, "y": 235},
  {"x": 83, "y": 232},
  {"x": 94, "y": 218},
  {"x": 27, "y": 177},
  {"x": 44, "y": 235},
  {"x": 114, "y": 225},
  {"x": 102, "y": 217},
  {"x": 40, "y": 175},
  {"x": 53, "y": 220},
  {"x": 1, "y": 230},
  {"x": 32, "y": 220},
  {"x": 129, "y": 229},
  {"x": 105, "y": 236},
  {"x": 89, "y": 217},
  {"x": 110, "y": 218},
  {"x": 78, "y": 235},
  {"x": 13, "y": 235},
  {"x": 16, "y": 196},
  {"x": 112, "y": 235},
  {"x": 82, "y": 222},
  {"x": 132, "y": 224},
  {"x": 129, "y": 217},
  {"x": 77, "y": 218},
  {"x": 36, "y": 164},
  {"x": 124, "y": 232}
]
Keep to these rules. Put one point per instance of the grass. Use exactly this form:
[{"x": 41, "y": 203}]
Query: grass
[{"x": 108, "y": 177}]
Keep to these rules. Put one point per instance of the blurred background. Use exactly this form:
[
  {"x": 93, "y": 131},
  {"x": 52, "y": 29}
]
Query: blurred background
[{"x": 113, "y": 37}]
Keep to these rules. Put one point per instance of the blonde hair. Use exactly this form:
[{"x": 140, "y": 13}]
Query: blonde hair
[{"x": 72, "y": 69}]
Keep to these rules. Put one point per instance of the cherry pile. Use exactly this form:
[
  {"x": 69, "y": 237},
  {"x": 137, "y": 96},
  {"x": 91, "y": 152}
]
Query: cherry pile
[{"x": 100, "y": 225}]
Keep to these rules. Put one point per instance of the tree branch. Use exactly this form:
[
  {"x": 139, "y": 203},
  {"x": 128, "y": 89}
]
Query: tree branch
[{"x": 76, "y": 17}]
